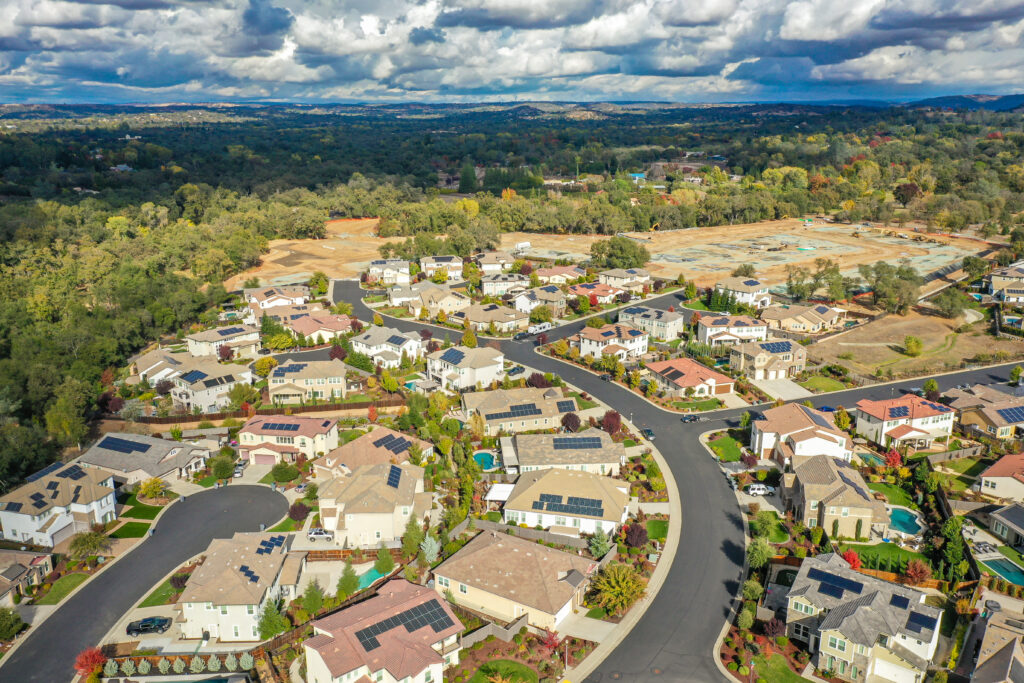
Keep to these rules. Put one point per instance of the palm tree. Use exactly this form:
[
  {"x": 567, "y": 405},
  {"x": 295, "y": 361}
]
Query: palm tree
[{"x": 617, "y": 587}]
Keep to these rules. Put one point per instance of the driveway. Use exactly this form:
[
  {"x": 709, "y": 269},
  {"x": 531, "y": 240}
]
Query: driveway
[
  {"x": 185, "y": 529},
  {"x": 785, "y": 389}
]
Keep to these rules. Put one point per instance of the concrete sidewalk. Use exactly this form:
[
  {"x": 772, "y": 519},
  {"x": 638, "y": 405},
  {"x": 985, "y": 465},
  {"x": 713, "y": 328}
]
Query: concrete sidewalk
[{"x": 579, "y": 625}]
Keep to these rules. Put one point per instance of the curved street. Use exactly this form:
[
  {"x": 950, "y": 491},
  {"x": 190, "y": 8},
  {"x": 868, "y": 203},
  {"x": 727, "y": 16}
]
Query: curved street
[{"x": 183, "y": 531}]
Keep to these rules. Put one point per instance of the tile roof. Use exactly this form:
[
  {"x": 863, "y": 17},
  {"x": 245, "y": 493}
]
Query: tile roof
[
  {"x": 598, "y": 289},
  {"x": 488, "y": 313},
  {"x": 377, "y": 336},
  {"x": 308, "y": 369},
  {"x": 686, "y": 372},
  {"x": 834, "y": 482},
  {"x": 312, "y": 323},
  {"x": 534, "y": 450},
  {"x": 303, "y": 426},
  {"x": 372, "y": 448},
  {"x": 796, "y": 419},
  {"x": 741, "y": 284},
  {"x": 225, "y": 333},
  {"x": 366, "y": 490},
  {"x": 712, "y": 320},
  {"x": 572, "y": 272},
  {"x": 495, "y": 405},
  {"x": 612, "y": 333},
  {"x": 648, "y": 313},
  {"x": 909, "y": 406},
  {"x": 479, "y": 357},
  {"x": 1011, "y": 465}
]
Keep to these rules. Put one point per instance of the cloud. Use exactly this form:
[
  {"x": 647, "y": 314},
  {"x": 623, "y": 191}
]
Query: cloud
[{"x": 421, "y": 34}]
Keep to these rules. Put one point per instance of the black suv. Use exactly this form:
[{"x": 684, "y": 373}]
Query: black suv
[{"x": 148, "y": 625}]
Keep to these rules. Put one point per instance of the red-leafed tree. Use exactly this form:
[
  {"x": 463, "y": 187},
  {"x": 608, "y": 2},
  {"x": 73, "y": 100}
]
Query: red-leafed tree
[
  {"x": 893, "y": 458},
  {"x": 918, "y": 572},
  {"x": 89, "y": 660},
  {"x": 371, "y": 414},
  {"x": 571, "y": 421},
  {"x": 357, "y": 326},
  {"x": 852, "y": 558},
  {"x": 592, "y": 299},
  {"x": 636, "y": 536},
  {"x": 542, "y": 339},
  {"x": 225, "y": 352},
  {"x": 538, "y": 381},
  {"x": 774, "y": 627},
  {"x": 426, "y": 334},
  {"x": 550, "y": 640},
  {"x": 337, "y": 352},
  {"x": 671, "y": 309},
  {"x": 611, "y": 422},
  {"x": 526, "y": 269}
]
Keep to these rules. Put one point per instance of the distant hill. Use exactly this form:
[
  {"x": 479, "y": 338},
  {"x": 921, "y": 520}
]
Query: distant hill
[{"x": 989, "y": 102}]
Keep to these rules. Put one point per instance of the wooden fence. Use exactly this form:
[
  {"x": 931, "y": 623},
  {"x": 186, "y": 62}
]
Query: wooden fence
[
  {"x": 275, "y": 410},
  {"x": 531, "y": 534},
  {"x": 957, "y": 454}
]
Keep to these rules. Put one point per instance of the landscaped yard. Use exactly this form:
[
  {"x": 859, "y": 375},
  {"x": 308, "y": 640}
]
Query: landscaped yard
[
  {"x": 356, "y": 398},
  {"x": 583, "y": 403},
  {"x": 136, "y": 510},
  {"x": 493, "y": 516},
  {"x": 972, "y": 467},
  {"x": 287, "y": 525},
  {"x": 894, "y": 494},
  {"x": 161, "y": 596},
  {"x": 874, "y": 556},
  {"x": 207, "y": 481},
  {"x": 61, "y": 587},
  {"x": 778, "y": 534},
  {"x": 707, "y": 404},
  {"x": 822, "y": 384},
  {"x": 597, "y": 613},
  {"x": 628, "y": 443},
  {"x": 1012, "y": 554},
  {"x": 514, "y": 672},
  {"x": 131, "y": 530},
  {"x": 776, "y": 670},
  {"x": 696, "y": 306},
  {"x": 955, "y": 482},
  {"x": 349, "y": 435},
  {"x": 657, "y": 529},
  {"x": 726, "y": 448}
]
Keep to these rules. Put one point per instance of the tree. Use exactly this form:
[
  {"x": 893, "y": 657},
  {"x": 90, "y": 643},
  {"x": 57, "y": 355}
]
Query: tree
[
  {"x": 337, "y": 352},
  {"x": 775, "y": 627},
  {"x": 469, "y": 338},
  {"x": 467, "y": 178},
  {"x": 313, "y": 597},
  {"x": 618, "y": 252},
  {"x": 974, "y": 266},
  {"x": 917, "y": 572},
  {"x": 745, "y": 620},
  {"x": 611, "y": 422},
  {"x": 284, "y": 472},
  {"x": 318, "y": 283},
  {"x": 636, "y": 535},
  {"x": 538, "y": 381},
  {"x": 221, "y": 467},
  {"x": 764, "y": 522},
  {"x": 852, "y": 558},
  {"x": 950, "y": 302},
  {"x": 154, "y": 487},
  {"x": 89, "y": 661},
  {"x": 931, "y": 390},
  {"x": 744, "y": 270},
  {"x": 225, "y": 353},
  {"x": 263, "y": 366},
  {"x": 752, "y": 589},
  {"x": 571, "y": 422},
  {"x": 758, "y": 553},
  {"x": 842, "y": 419},
  {"x": 198, "y": 664},
  {"x": 1015, "y": 374},
  {"x": 89, "y": 543},
  {"x": 10, "y": 623},
  {"x": 412, "y": 538},
  {"x": 599, "y": 544},
  {"x": 66, "y": 417},
  {"x": 541, "y": 314},
  {"x": 906, "y": 192},
  {"x": 893, "y": 459},
  {"x": 912, "y": 346},
  {"x": 272, "y": 621},
  {"x": 617, "y": 587},
  {"x": 298, "y": 511},
  {"x": 385, "y": 563},
  {"x": 348, "y": 582},
  {"x": 431, "y": 548}
]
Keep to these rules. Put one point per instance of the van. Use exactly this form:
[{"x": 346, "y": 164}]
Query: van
[
  {"x": 539, "y": 327},
  {"x": 757, "y": 490}
]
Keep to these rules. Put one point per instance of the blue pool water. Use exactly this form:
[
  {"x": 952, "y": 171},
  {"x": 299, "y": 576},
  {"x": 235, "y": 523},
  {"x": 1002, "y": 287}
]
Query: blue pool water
[
  {"x": 485, "y": 460},
  {"x": 871, "y": 459},
  {"x": 368, "y": 578},
  {"x": 1008, "y": 570},
  {"x": 904, "y": 520}
]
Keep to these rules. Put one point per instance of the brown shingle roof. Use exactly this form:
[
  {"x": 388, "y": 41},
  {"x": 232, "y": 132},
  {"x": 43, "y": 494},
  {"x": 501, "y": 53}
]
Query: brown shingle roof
[{"x": 362, "y": 451}]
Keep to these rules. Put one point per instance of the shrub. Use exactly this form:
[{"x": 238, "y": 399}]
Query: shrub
[
  {"x": 145, "y": 667},
  {"x": 178, "y": 581},
  {"x": 214, "y": 663},
  {"x": 163, "y": 666},
  {"x": 744, "y": 671},
  {"x": 110, "y": 668},
  {"x": 745, "y": 620},
  {"x": 284, "y": 472},
  {"x": 89, "y": 660},
  {"x": 800, "y": 552},
  {"x": 128, "y": 667},
  {"x": 298, "y": 511},
  {"x": 230, "y": 662},
  {"x": 245, "y": 662},
  {"x": 179, "y": 665},
  {"x": 782, "y": 641},
  {"x": 732, "y": 666},
  {"x": 197, "y": 666}
]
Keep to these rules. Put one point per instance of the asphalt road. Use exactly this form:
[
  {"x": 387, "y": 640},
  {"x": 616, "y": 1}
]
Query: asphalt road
[{"x": 185, "y": 530}]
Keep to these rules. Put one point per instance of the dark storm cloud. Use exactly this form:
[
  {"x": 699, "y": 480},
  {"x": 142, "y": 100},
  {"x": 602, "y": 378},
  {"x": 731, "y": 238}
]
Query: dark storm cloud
[
  {"x": 265, "y": 19},
  {"x": 524, "y": 14}
]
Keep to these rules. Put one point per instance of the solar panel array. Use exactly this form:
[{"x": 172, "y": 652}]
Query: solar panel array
[
  {"x": 38, "y": 500},
  {"x": 574, "y": 505},
  {"x": 287, "y": 369},
  {"x": 937, "y": 406},
  {"x": 267, "y": 545},
  {"x": 899, "y": 601},
  {"x": 521, "y": 410},
  {"x": 566, "y": 406},
  {"x": 608, "y": 333},
  {"x": 751, "y": 283},
  {"x": 720, "y": 321},
  {"x": 217, "y": 381},
  {"x": 249, "y": 573},
  {"x": 230, "y": 330},
  {"x": 394, "y": 476},
  {"x": 397, "y": 339},
  {"x": 453, "y": 356},
  {"x": 281, "y": 427},
  {"x": 1012, "y": 415},
  {"x": 395, "y": 444},
  {"x": 835, "y": 586},
  {"x": 12, "y": 507},
  {"x": 50, "y": 469},
  {"x": 777, "y": 347},
  {"x": 918, "y": 622},
  {"x": 567, "y": 443},
  {"x": 817, "y": 418},
  {"x": 193, "y": 376},
  {"x": 428, "y": 614},
  {"x": 112, "y": 443},
  {"x": 899, "y": 411}
]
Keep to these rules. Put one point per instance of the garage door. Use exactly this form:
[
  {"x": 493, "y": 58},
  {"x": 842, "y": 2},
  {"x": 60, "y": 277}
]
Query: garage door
[
  {"x": 64, "y": 534},
  {"x": 263, "y": 459},
  {"x": 723, "y": 388}
]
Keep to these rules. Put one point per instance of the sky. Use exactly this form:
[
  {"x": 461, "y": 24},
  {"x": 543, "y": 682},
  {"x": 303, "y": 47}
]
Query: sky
[{"x": 507, "y": 50}]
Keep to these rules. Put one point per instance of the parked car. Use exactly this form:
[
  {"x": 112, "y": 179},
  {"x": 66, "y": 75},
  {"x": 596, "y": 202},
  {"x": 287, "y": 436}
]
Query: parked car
[
  {"x": 148, "y": 625},
  {"x": 648, "y": 433},
  {"x": 827, "y": 409},
  {"x": 688, "y": 418},
  {"x": 760, "y": 490},
  {"x": 317, "y": 534},
  {"x": 517, "y": 370},
  {"x": 239, "y": 471},
  {"x": 521, "y": 336},
  {"x": 606, "y": 377}
]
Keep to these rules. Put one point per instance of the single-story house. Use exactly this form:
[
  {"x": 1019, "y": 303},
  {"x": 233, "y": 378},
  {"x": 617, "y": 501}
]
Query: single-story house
[
  {"x": 678, "y": 376},
  {"x": 133, "y": 458},
  {"x": 566, "y": 502}
]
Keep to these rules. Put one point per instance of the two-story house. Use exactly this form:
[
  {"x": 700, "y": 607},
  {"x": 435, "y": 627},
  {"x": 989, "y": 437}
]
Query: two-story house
[
  {"x": 405, "y": 633},
  {"x": 451, "y": 265},
  {"x": 657, "y": 322},
  {"x": 517, "y": 410},
  {"x": 493, "y": 262},
  {"x": 560, "y": 275},
  {"x": 1004, "y": 479},
  {"x": 859, "y": 627},
  {"x": 716, "y": 330},
  {"x": 791, "y": 433},
  {"x": 386, "y": 345},
  {"x": 262, "y": 298},
  {"x": 745, "y": 290},
  {"x": 205, "y": 387},
  {"x": 239, "y": 576},
  {"x": 815, "y": 319},
  {"x": 1007, "y": 284},
  {"x": 685, "y": 378},
  {"x": 545, "y": 295},
  {"x": 566, "y": 502},
  {"x": 632, "y": 280},
  {"x": 389, "y": 272},
  {"x": 302, "y": 382},
  {"x": 622, "y": 341},
  {"x": 989, "y": 409},
  {"x": 777, "y": 359},
  {"x": 830, "y": 493},
  {"x": 459, "y": 367},
  {"x": 596, "y": 292},
  {"x": 437, "y": 300},
  {"x": 243, "y": 340},
  {"x": 500, "y": 284},
  {"x": 379, "y": 446},
  {"x": 56, "y": 503},
  {"x": 908, "y": 420},
  {"x": 592, "y": 451},
  {"x": 270, "y": 439}
]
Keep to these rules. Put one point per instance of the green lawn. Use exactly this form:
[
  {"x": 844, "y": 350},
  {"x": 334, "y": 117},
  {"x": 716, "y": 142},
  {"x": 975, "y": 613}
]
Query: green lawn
[
  {"x": 894, "y": 494},
  {"x": 493, "y": 516},
  {"x": 868, "y": 554},
  {"x": 727, "y": 449},
  {"x": 657, "y": 528},
  {"x": 675, "y": 343},
  {"x": 971, "y": 467},
  {"x": 355, "y": 398},
  {"x": 776, "y": 670},
  {"x": 136, "y": 510},
  {"x": 583, "y": 403},
  {"x": 706, "y": 404},
  {"x": 287, "y": 525},
  {"x": 822, "y": 384},
  {"x": 207, "y": 481},
  {"x": 1012, "y": 555},
  {"x": 597, "y": 613},
  {"x": 628, "y": 443},
  {"x": 161, "y": 596},
  {"x": 955, "y": 482},
  {"x": 350, "y": 435},
  {"x": 131, "y": 530},
  {"x": 61, "y": 587},
  {"x": 511, "y": 671},
  {"x": 696, "y": 306},
  {"x": 778, "y": 533}
]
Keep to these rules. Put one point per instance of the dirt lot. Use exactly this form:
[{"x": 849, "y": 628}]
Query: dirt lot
[
  {"x": 348, "y": 248},
  {"x": 879, "y": 345}
]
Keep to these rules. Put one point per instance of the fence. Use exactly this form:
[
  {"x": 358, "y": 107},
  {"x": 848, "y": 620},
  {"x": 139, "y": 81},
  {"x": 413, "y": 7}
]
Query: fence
[
  {"x": 532, "y": 534},
  {"x": 503, "y": 633},
  {"x": 361, "y": 554},
  {"x": 957, "y": 454},
  {"x": 275, "y": 410}
]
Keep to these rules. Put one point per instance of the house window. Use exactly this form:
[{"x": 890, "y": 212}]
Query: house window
[
  {"x": 801, "y": 631},
  {"x": 836, "y": 644},
  {"x": 235, "y": 630},
  {"x": 223, "y": 609},
  {"x": 427, "y": 676},
  {"x": 443, "y": 582},
  {"x": 405, "y": 510},
  {"x": 250, "y": 609},
  {"x": 861, "y": 650},
  {"x": 846, "y": 512},
  {"x": 377, "y": 535},
  {"x": 814, "y": 505},
  {"x": 209, "y": 606},
  {"x": 463, "y": 589}
]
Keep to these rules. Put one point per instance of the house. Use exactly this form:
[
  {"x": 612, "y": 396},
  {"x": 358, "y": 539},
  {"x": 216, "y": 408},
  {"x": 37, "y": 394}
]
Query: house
[
  {"x": 768, "y": 359},
  {"x": 859, "y": 627},
  {"x": 404, "y": 295},
  {"x": 390, "y": 271},
  {"x": 505, "y": 320},
  {"x": 270, "y": 439},
  {"x": 566, "y": 502},
  {"x": 439, "y": 299},
  {"x": 633, "y": 280},
  {"x": 386, "y": 346},
  {"x": 1008, "y": 524},
  {"x": 500, "y": 284},
  {"x": 226, "y": 594},
  {"x": 494, "y": 262},
  {"x": 283, "y": 314},
  {"x": 730, "y": 329},
  {"x": 243, "y": 340},
  {"x": 988, "y": 409},
  {"x": 545, "y": 295},
  {"x": 372, "y": 504},
  {"x": 830, "y": 493},
  {"x": 319, "y": 327},
  {"x": 745, "y": 290},
  {"x": 459, "y": 368},
  {"x": 685, "y": 378},
  {"x": 377, "y": 447},
  {"x": 451, "y": 265},
  {"x": 560, "y": 275},
  {"x": 589, "y": 451},
  {"x": 19, "y": 570},
  {"x": 270, "y": 297},
  {"x": 658, "y": 323},
  {"x": 622, "y": 341},
  {"x": 506, "y": 577},
  {"x": 791, "y": 433},
  {"x": 1007, "y": 284},
  {"x": 1001, "y": 656},
  {"x": 909, "y": 420},
  {"x": 517, "y": 410},
  {"x": 403, "y": 633},
  {"x": 134, "y": 458},
  {"x": 302, "y": 382},
  {"x": 206, "y": 386},
  {"x": 56, "y": 503},
  {"x": 1005, "y": 478},
  {"x": 815, "y": 319},
  {"x": 597, "y": 291}
]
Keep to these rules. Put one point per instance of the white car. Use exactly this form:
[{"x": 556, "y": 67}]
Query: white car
[
  {"x": 760, "y": 490},
  {"x": 319, "y": 534}
]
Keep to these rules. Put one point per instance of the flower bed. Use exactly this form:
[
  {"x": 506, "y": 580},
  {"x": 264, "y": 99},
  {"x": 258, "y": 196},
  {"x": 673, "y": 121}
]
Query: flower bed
[{"x": 544, "y": 657}]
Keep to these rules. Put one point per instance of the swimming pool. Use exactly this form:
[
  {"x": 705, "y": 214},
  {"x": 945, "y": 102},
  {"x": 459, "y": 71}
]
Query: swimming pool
[
  {"x": 871, "y": 459},
  {"x": 904, "y": 520},
  {"x": 1007, "y": 569},
  {"x": 365, "y": 580},
  {"x": 485, "y": 459}
]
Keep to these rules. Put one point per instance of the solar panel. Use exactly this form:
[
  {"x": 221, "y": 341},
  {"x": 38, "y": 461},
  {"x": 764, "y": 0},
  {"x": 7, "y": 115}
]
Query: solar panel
[
  {"x": 572, "y": 443},
  {"x": 397, "y": 340},
  {"x": 837, "y": 581},
  {"x": 428, "y": 614},
  {"x": 193, "y": 376},
  {"x": 899, "y": 601},
  {"x": 777, "y": 347},
  {"x": 394, "y": 476},
  {"x": 52, "y": 485},
  {"x": 77, "y": 492},
  {"x": 45, "y": 471},
  {"x": 40, "y": 504},
  {"x": 751, "y": 283},
  {"x": 917, "y": 622},
  {"x": 566, "y": 406},
  {"x": 37, "y": 496},
  {"x": 830, "y": 589},
  {"x": 399, "y": 445},
  {"x": 277, "y": 540},
  {"x": 938, "y": 407},
  {"x": 113, "y": 443},
  {"x": 899, "y": 411},
  {"x": 538, "y": 505},
  {"x": 453, "y": 356},
  {"x": 230, "y": 330},
  {"x": 817, "y": 419},
  {"x": 1012, "y": 415},
  {"x": 13, "y": 507},
  {"x": 281, "y": 427},
  {"x": 550, "y": 498}
]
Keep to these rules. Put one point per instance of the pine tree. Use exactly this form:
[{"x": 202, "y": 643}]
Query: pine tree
[{"x": 348, "y": 583}]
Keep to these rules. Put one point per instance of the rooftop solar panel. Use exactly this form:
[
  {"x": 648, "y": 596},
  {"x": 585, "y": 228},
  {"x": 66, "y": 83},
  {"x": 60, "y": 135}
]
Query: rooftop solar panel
[
  {"x": 428, "y": 614},
  {"x": 917, "y": 622},
  {"x": 397, "y": 340},
  {"x": 566, "y": 406},
  {"x": 572, "y": 443},
  {"x": 399, "y": 445},
  {"x": 830, "y": 589},
  {"x": 899, "y": 411},
  {"x": 1012, "y": 415},
  {"x": 45, "y": 471},
  {"x": 899, "y": 601},
  {"x": 751, "y": 283},
  {"x": 777, "y": 347},
  {"x": 13, "y": 507},
  {"x": 193, "y": 376},
  {"x": 384, "y": 440},
  {"x": 394, "y": 476},
  {"x": 40, "y": 504},
  {"x": 113, "y": 443},
  {"x": 230, "y": 330},
  {"x": 453, "y": 356}
]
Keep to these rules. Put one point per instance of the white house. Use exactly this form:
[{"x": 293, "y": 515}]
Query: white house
[
  {"x": 133, "y": 458},
  {"x": 500, "y": 284},
  {"x": 730, "y": 329},
  {"x": 1005, "y": 478},
  {"x": 272, "y": 297},
  {"x": 459, "y": 367},
  {"x": 745, "y": 290},
  {"x": 567, "y": 502},
  {"x": 385, "y": 345},
  {"x": 225, "y": 595},
  {"x": 315, "y": 379},
  {"x": 451, "y": 265},
  {"x": 623, "y": 341},
  {"x": 389, "y": 272},
  {"x": 545, "y": 295},
  {"x": 494, "y": 262},
  {"x": 596, "y": 291},
  {"x": 909, "y": 420},
  {"x": 270, "y": 439},
  {"x": 415, "y": 637},
  {"x": 791, "y": 433},
  {"x": 630, "y": 279},
  {"x": 658, "y": 323},
  {"x": 243, "y": 340},
  {"x": 206, "y": 387},
  {"x": 57, "y": 503},
  {"x": 560, "y": 275}
]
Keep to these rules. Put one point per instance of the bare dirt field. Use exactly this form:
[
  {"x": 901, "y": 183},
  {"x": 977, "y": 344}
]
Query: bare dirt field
[
  {"x": 346, "y": 251},
  {"x": 705, "y": 254},
  {"x": 879, "y": 345}
]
